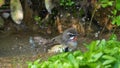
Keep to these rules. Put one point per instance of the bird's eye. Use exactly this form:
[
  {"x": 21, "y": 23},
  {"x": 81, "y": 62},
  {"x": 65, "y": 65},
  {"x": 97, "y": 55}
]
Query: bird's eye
[{"x": 72, "y": 35}]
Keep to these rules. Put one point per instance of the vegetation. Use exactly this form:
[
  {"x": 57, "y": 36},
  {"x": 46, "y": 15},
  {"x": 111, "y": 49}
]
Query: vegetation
[
  {"x": 101, "y": 54},
  {"x": 38, "y": 20},
  {"x": 116, "y": 4},
  {"x": 67, "y": 3}
]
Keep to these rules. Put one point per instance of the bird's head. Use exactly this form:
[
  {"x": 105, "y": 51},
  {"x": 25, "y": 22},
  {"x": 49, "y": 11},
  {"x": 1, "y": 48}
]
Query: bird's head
[
  {"x": 70, "y": 38},
  {"x": 70, "y": 35}
]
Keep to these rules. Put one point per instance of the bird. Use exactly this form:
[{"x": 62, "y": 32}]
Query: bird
[
  {"x": 67, "y": 41},
  {"x": 16, "y": 11}
]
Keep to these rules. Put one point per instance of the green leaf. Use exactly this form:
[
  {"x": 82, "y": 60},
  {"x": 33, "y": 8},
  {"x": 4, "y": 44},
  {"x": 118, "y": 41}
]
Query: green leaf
[
  {"x": 118, "y": 4},
  {"x": 107, "y": 51},
  {"x": 45, "y": 64},
  {"x": 73, "y": 61},
  {"x": 116, "y": 20},
  {"x": 67, "y": 65},
  {"x": 95, "y": 57},
  {"x": 106, "y": 3},
  {"x": 37, "y": 61},
  {"x": 114, "y": 12},
  {"x": 107, "y": 62},
  {"x": 64, "y": 54},
  {"x": 93, "y": 45},
  {"x": 51, "y": 65},
  {"x": 102, "y": 44},
  {"x": 59, "y": 65},
  {"x": 29, "y": 64},
  {"x": 77, "y": 53},
  {"x": 113, "y": 37},
  {"x": 110, "y": 3},
  {"x": 117, "y": 64},
  {"x": 79, "y": 58},
  {"x": 108, "y": 66},
  {"x": 53, "y": 58},
  {"x": 108, "y": 57},
  {"x": 33, "y": 66}
]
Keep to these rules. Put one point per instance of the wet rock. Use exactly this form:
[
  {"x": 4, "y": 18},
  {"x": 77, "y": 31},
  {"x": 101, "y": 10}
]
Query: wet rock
[
  {"x": 5, "y": 15},
  {"x": 50, "y": 4},
  {"x": 16, "y": 11}
]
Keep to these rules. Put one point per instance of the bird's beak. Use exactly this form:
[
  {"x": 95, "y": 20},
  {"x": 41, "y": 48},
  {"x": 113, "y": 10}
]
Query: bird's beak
[{"x": 74, "y": 38}]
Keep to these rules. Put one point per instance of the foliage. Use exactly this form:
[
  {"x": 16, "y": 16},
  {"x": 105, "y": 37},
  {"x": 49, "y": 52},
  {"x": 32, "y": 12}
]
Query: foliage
[
  {"x": 100, "y": 54},
  {"x": 115, "y": 17},
  {"x": 116, "y": 4},
  {"x": 67, "y": 2},
  {"x": 106, "y": 3},
  {"x": 116, "y": 20},
  {"x": 38, "y": 20}
]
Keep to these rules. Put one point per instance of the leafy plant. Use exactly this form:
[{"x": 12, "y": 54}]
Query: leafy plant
[
  {"x": 116, "y": 20},
  {"x": 116, "y": 4},
  {"x": 38, "y": 20},
  {"x": 115, "y": 17},
  {"x": 106, "y": 3},
  {"x": 67, "y": 2}
]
